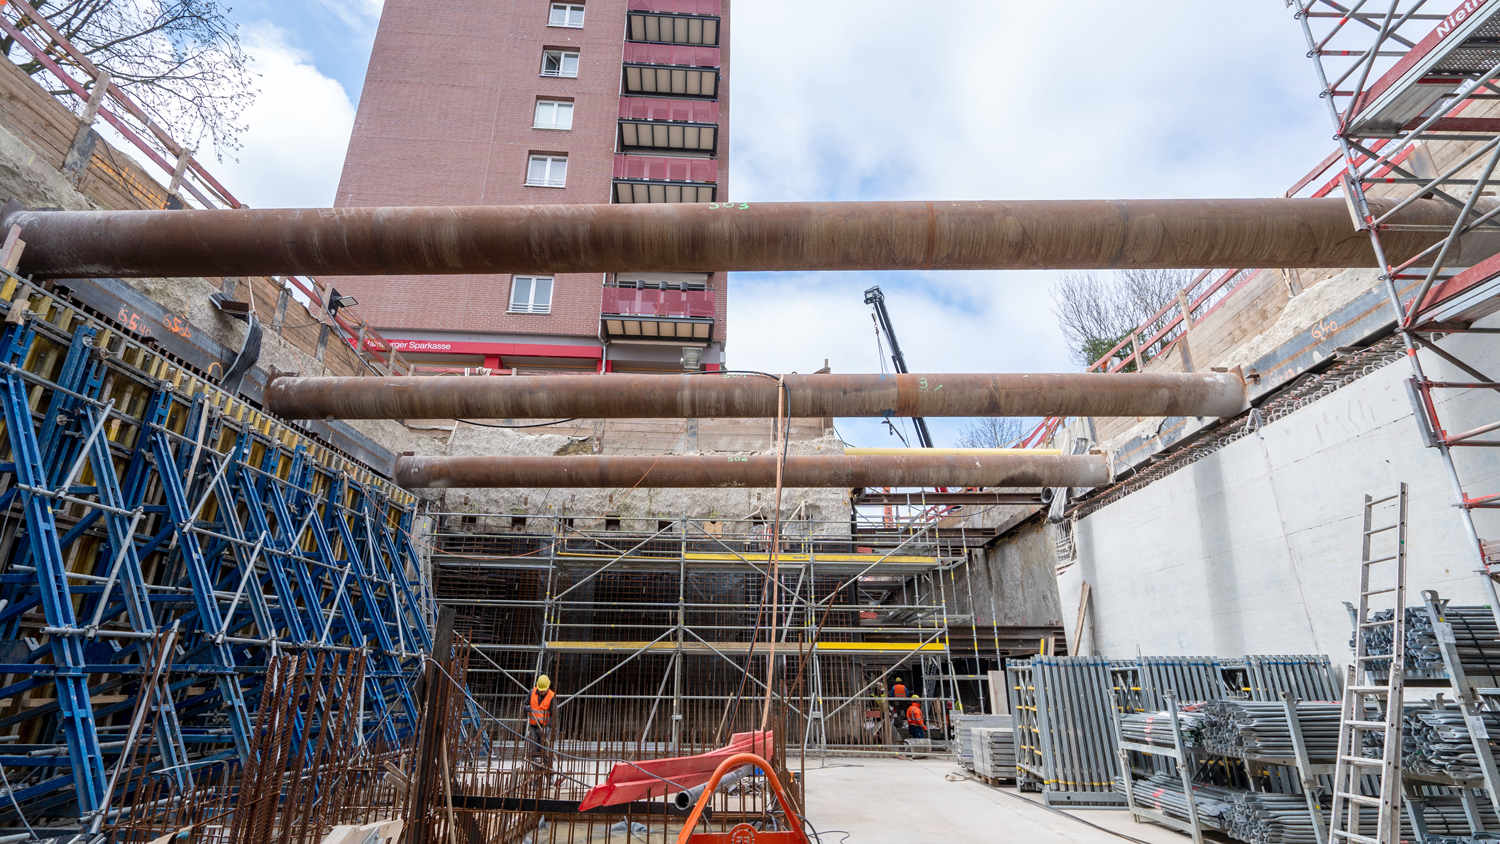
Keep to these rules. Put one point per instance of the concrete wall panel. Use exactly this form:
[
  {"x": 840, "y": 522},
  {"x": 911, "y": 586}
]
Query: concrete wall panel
[{"x": 1254, "y": 548}]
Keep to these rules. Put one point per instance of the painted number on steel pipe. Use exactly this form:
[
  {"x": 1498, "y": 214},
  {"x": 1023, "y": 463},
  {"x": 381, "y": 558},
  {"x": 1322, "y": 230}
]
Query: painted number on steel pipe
[{"x": 730, "y": 206}]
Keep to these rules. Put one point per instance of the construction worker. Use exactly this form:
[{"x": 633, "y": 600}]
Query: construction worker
[
  {"x": 882, "y": 711},
  {"x": 539, "y": 722},
  {"x": 914, "y": 723},
  {"x": 898, "y": 695}
]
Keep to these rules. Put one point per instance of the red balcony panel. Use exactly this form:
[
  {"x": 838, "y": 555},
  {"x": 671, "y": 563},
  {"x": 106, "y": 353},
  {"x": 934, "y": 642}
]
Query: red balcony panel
[
  {"x": 660, "y": 303},
  {"x": 678, "y": 7},
  {"x": 679, "y": 55},
  {"x": 681, "y": 111},
  {"x": 666, "y": 169}
]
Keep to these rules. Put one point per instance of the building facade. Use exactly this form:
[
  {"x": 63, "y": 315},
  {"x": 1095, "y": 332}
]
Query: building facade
[{"x": 535, "y": 103}]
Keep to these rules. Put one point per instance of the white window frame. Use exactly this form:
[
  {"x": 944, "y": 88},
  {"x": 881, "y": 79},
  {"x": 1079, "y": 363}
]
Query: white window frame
[
  {"x": 546, "y": 181},
  {"x": 567, "y": 10},
  {"x": 530, "y": 305},
  {"x": 558, "y": 106},
  {"x": 562, "y": 63}
]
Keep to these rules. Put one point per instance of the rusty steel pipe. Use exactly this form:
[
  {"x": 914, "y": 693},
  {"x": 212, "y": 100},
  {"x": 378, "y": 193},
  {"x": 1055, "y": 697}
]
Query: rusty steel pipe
[
  {"x": 712, "y": 237},
  {"x": 756, "y": 470},
  {"x": 710, "y": 395}
]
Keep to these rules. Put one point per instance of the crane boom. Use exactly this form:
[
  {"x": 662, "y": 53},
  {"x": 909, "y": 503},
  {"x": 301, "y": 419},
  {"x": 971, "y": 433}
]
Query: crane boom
[{"x": 873, "y": 296}]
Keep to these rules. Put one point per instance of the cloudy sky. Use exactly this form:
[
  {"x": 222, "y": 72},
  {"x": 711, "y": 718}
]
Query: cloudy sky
[{"x": 878, "y": 99}]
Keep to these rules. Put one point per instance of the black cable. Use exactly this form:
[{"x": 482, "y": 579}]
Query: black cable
[{"x": 535, "y": 425}]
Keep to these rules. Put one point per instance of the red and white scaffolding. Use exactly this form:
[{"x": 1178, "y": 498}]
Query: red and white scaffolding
[{"x": 1411, "y": 88}]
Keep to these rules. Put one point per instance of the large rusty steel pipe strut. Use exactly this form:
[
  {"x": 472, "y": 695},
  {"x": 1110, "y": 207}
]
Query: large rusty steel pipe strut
[
  {"x": 710, "y": 395},
  {"x": 756, "y": 470},
  {"x": 713, "y": 237}
]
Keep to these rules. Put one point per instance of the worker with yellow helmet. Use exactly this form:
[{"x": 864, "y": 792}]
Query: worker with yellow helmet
[
  {"x": 539, "y": 722},
  {"x": 914, "y": 721}
]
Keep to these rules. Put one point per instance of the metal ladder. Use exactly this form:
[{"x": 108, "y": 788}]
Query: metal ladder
[{"x": 1362, "y": 689}]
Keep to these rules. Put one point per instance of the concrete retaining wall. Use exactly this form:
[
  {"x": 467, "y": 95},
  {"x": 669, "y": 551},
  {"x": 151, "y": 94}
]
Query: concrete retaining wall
[{"x": 1254, "y": 548}]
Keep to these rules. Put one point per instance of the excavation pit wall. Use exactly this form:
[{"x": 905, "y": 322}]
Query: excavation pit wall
[{"x": 1255, "y": 547}]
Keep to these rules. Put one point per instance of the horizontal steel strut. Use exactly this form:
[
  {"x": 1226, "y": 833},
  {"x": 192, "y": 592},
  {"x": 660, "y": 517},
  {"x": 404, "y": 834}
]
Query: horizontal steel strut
[
  {"x": 713, "y": 237},
  {"x": 757, "y": 470},
  {"x": 716, "y": 395}
]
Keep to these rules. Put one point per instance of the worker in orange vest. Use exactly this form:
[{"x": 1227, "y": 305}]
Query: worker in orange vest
[
  {"x": 914, "y": 722},
  {"x": 539, "y": 722},
  {"x": 899, "y": 690}
]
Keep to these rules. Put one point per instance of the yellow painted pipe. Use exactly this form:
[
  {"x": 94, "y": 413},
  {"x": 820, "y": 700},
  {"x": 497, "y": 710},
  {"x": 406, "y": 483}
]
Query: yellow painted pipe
[{"x": 944, "y": 452}]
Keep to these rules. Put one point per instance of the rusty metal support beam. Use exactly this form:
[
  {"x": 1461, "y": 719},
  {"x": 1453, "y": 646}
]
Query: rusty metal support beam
[
  {"x": 715, "y": 395},
  {"x": 756, "y": 470},
  {"x": 699, "y": 237}
]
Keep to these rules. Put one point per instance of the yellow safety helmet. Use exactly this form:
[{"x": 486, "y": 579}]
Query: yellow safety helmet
[
  {"x": 543, "y": 683},
  {"x": 916, "y": 697},
  {"x": 898, "y": 679}
]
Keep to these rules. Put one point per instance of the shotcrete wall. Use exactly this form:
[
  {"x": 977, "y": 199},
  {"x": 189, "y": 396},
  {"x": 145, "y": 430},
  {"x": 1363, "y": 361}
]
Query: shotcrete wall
[
  {"x": 1255, "y": 548},
  {"x": 1011, "y": 582}
]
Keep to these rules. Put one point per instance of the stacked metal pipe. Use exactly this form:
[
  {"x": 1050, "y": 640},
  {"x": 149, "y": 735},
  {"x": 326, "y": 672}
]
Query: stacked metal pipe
[
  {"x": 1260, "y": 817},
  {"x": 1476, "y": 638},
  {"x": 1155, "y": 728},
  {"x": 1260, "y": 729},
  {"x": 1437, "y": 742},
  {"x": 1163, "y": 792},
  {"x": 1263, "y": 818}
]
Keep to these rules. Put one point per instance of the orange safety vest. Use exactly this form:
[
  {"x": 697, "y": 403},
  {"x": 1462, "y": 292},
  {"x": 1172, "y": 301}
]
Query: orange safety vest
[
  {"x": 541, "y": 710},
  {"x": 899, "y": 690},
  {"x": 914, "y": 715}
]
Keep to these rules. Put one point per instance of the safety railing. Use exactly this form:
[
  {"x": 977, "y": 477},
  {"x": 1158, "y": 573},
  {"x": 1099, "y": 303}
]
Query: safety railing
[{"x": 188, "y": 180}]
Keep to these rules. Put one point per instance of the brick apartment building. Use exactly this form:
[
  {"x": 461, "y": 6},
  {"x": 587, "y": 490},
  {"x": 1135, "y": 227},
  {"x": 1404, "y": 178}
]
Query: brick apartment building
[{"x": 532, "y": 102}]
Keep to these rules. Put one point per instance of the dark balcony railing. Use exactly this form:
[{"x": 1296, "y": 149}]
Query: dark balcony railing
[
  {"x": 663, "y": 136},
  {"x": 658, "y": 28},
  {"x": 678, "y": 7},
  {"x": 658, "y": 303}
]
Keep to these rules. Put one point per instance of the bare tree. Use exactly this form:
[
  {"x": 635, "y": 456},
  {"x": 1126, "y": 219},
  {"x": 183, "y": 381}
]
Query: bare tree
[
  {"x": 181, "y": 60},
  {"x": 1099, "y": 309},
  {"x": 991, "y": 432}
]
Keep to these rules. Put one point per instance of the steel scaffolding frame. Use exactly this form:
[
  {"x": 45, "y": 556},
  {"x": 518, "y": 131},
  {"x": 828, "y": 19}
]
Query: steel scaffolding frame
[
  {"x": 160, "y": 541},
  {"x": 1411, "y": 89},
  {"x": 672, "y": 606}
]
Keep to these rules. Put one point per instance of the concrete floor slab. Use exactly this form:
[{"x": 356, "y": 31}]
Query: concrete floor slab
[{"x": 899, "y": 801}]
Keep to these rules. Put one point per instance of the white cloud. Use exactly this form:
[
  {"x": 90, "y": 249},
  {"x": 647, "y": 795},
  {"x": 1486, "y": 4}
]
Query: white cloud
[
  {"x": 298, "y": 128},
  {"x": 993, "y": 99},
  {"x": 358, "y": 15}
]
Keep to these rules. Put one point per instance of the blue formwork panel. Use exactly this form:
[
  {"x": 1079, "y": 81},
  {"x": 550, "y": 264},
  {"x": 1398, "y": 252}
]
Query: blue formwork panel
[{"x": 160, "y": 541}]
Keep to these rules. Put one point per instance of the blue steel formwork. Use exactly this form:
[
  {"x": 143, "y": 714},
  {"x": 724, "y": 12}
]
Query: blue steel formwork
[{"x": 140, "y": 506}]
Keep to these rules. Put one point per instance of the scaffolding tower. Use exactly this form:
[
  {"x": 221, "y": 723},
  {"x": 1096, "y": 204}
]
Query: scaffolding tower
[
  {"x": 657, "y": 632},
  {"x": 1411, "y": 88}
]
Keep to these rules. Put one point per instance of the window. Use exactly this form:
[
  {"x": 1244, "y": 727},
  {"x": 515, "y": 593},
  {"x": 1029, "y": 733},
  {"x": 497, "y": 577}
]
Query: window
[
  {"x": 547, "y": 171},
  {"x": 531, "y": 295},
  {"x": 559, "y": 63},
  {"x": 553, "y": 114},
  {"x": 566, "y": 14}
]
